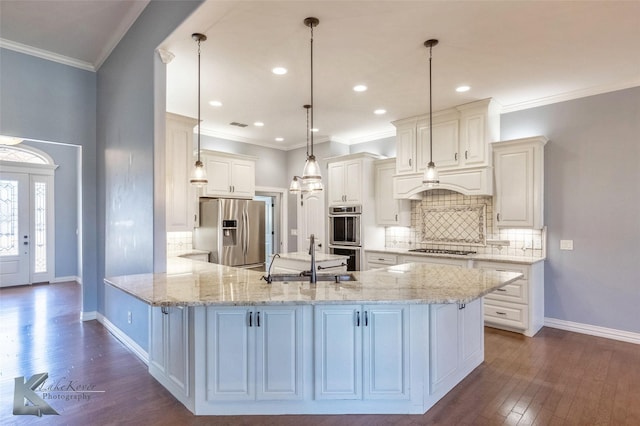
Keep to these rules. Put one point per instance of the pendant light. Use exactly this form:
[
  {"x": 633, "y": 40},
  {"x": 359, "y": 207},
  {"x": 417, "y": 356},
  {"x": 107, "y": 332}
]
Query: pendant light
[
  {"x": 431, "y": 173},
  {"x": 199, "y": 174},
  {"x": 311, "y": 179}
]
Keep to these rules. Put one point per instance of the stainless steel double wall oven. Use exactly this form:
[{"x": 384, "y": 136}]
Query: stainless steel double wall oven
[{"x": 344, "y": 233}]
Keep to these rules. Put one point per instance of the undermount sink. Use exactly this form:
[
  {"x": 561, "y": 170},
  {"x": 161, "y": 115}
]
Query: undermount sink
[{"x": 319, "y": 277}]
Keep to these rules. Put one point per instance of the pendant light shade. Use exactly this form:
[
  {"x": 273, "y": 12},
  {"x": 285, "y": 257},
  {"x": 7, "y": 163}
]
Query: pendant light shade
[
  {"x": 430, "y": 178},
  {"x": 311, "y": 179},
  {"x": 198, "y": 174}
]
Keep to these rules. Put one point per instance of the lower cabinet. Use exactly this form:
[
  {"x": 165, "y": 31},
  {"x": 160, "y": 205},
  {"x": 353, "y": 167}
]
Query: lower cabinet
[
  {"x": 457, "y": 343},
  {"x": 169, "y": 348},
  {"x": 361, "y": 352},
  {"x": 380, "y": 259},
  {"x": 254, "y": 353}
]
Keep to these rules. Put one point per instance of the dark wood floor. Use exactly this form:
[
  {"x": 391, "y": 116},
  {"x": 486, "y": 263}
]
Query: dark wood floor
[{"x": 557, "y": 377}]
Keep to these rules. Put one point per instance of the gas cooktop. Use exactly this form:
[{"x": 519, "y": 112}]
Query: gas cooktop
[{"x": 443, "y": 251}]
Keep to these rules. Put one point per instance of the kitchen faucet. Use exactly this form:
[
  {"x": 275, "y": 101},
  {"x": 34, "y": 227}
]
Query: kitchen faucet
[{"x": 312, "y": 273}]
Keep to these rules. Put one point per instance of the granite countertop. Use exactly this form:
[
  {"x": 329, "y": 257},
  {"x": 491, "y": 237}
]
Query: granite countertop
[
  {"x": 190, "y": 283},
  {"x": 304, "y": 256},
  {"x": 525, "y": 260}
]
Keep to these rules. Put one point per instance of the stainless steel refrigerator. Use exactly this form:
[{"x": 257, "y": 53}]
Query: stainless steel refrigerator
[{"x": 233, "y": 231}]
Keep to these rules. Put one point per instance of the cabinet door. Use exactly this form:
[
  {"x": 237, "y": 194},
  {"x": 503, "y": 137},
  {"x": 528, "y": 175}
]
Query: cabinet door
[
  {"x": 473, "y": 145},
  {"x": 177, "y": 348},
  {"x": 279, "y": 353},
  {"x": 445, "y": 144},
  {"x": 336, "y": 186},
  {"x": 385, "y": 352},
  {"x": 386, "y": 205},
  {"x": 353, "y": 182},
  {"x": 472, "y": 332},
  {"x": 444, "y": 344},
  {"x": 514, "y": 200},
  {"x": 338, "y": 352},
  {"x": 179, "y": 161},
  {"x": 218, "y": 176},
  {"x": 243, "y": 178},
  {"x": 406, "y": 149},
  {"x": 157, "y": 340},
  {"x": 230, "y": 363}
]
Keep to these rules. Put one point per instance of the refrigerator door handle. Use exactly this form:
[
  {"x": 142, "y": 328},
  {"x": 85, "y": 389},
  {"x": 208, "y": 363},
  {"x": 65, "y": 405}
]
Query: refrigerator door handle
[{"x": 245, "y": 218}]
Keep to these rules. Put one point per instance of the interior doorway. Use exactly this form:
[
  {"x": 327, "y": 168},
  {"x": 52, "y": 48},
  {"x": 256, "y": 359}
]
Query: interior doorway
[{"x": 275, "y": 220}]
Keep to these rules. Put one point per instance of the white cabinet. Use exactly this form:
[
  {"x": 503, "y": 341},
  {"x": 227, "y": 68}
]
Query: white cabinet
[
  {"x": 229, "y": 175},
  {"x": 169, "y": 348},
  {"x": 461, "y": 137},
  {"x": 519, "y": 181},
  {"x": 389, "y": 211},
  {"x": 254, "y": 353},
  {"x": 479, "y": 127},
  {"x": 518, "y": 306},
  {"x": 457, "y": 343},
  {"x": 377, "y": 259},
  {"x": 361, "y": 352},
  {"x": 345, "y": 182},
  {"x": 312, "y": 219},
  {"x": 180, "y": 194}
]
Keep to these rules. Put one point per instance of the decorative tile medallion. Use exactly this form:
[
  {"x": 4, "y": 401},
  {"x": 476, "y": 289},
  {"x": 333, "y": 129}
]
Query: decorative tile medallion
[{"x": 454, "y": 224}]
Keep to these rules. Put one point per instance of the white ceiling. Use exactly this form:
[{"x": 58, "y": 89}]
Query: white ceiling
[{"x": 521, "y": 53}]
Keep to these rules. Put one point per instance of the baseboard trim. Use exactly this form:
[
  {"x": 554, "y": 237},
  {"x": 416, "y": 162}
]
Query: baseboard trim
[
  {"x": 88, "y": 316},
  {"x": 65, "y": 279},
  {"x": 593, "y": 330},
  {"x": 126, "y": 340}
]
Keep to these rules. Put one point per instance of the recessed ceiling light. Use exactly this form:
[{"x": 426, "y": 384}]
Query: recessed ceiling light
[
  {"x": 314, "y": 130},
  {"x": 215, "y": 103},
  {"x": 279, "y": 139},
  {"x": 380, "y": 111},
  {"x": 461, "y": 89},
  {"x": 279, "y": 71},
  {"x": 258, "y": 124},
  {"x": 359, "y": 88}
]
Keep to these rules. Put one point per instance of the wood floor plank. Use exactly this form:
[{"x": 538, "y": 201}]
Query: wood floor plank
[{"x": 554, "y": 378}]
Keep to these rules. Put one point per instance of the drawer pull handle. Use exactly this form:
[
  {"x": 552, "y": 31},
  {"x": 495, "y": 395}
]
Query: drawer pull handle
[
  {"x": 501, "y": 289},
  {"x": 501, "y": 313}
]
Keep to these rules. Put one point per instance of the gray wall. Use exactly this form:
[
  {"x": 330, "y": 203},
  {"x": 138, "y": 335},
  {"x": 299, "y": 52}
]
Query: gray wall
[
  {"x": 592, "y": 196},
  {"x": 48, "y": 101},
  {"x": 65, "y": 205},
  {"x": 125, "y": 138}
]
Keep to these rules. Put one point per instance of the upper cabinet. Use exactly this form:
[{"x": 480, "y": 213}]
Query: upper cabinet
[
  {"x": 350, "y": 179},
  {"x": 389, "y": 211},
  {"x": 180, "y": 194},
  {"x": 519, "y": 177},
  {"x": 229, "y": 175},
  {"x": 461, "y": 138},
  {"x": 345, "y": 182}
]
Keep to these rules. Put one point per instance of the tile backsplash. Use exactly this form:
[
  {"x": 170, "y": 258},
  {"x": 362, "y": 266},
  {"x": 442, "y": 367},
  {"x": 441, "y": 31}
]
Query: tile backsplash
[
  {"x": 446, "y": 219},
  {"x": 179, "y": 243}
]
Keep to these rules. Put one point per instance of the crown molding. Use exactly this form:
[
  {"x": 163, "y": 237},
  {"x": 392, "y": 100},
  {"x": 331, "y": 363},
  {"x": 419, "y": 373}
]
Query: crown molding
[
  {"x": 568, "y": 96},
  {"x": 134, "y": 12},
  {"x": 373, "y": 137},
  {"x": 45, "y": 54}
]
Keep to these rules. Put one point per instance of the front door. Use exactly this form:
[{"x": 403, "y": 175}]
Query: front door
[{"x": 14, "y": 229}]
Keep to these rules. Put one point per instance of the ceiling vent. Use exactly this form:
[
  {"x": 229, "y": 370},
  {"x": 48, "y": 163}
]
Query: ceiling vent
[{"x": 235, "y": 123}]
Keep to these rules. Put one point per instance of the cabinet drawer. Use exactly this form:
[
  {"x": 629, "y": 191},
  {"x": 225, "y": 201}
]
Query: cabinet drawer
[
  {"x": 508, "y": 267},
  {"x": 382, "y": 259},
  {"x": 516, "y": 292},
  {"x": 504, "y": 313}
]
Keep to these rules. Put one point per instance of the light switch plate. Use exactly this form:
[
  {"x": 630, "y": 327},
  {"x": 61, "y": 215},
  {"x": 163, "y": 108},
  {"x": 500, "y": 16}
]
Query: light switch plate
[{"x": 566, "y": 244}]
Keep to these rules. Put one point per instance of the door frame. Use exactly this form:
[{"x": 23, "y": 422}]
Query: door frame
[
  {"x": 282, "y": 195},
  {"x": 46, "y": 172}
]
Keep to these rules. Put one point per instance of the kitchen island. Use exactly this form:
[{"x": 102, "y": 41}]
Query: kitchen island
[{"x": 393, "y": 340}]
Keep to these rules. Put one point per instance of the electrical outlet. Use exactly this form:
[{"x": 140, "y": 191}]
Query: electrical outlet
[
  {"x": 566, "y": 244},
  {"x": 129, "y": 317}
]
